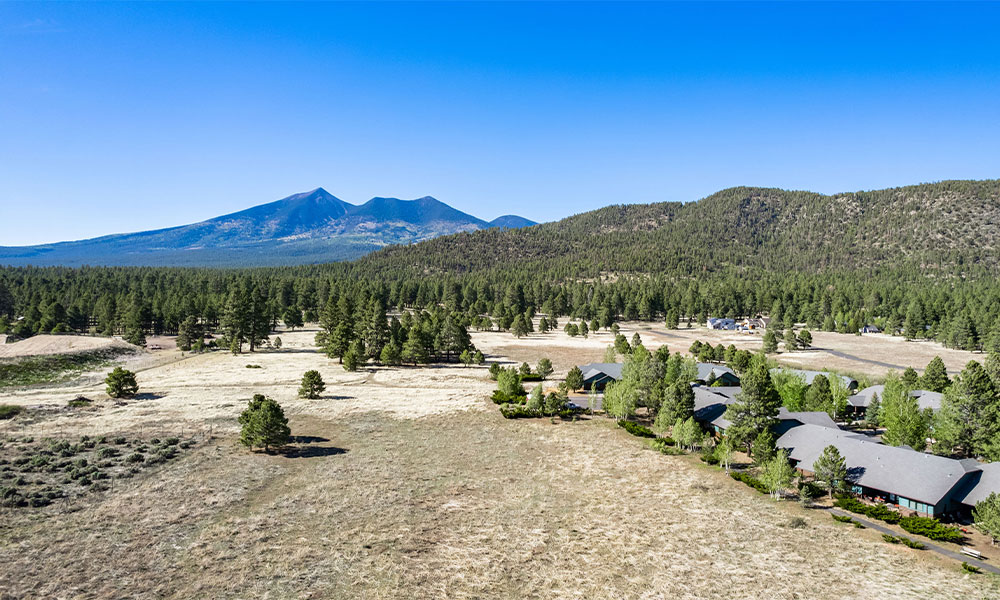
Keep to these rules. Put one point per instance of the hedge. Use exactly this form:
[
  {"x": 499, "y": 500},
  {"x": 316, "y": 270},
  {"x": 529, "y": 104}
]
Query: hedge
[
  {"x": 931, "y": 528},
  {"x": 877, "y": 511},
  {"x": 502, "y": 398},
  {"x": 636, "y": 429},
  {"x": 749, "y": 480},
  {"x": 516, "y": 411}
]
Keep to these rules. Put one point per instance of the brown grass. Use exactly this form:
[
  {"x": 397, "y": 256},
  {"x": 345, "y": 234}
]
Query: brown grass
[{"x": 434, "y": 495}]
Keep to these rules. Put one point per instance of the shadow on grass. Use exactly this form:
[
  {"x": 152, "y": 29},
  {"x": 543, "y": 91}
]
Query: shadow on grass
[
  {"x": 314, "y": 452},
  {"x": 307, "y": 439}
]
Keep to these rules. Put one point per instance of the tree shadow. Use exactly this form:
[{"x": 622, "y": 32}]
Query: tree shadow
[
  {"x": 336, "y": 398},
  {"x": 313, "y": 451},
  {"x": 147, "y": 396},
  {"x": 307, "y": 439}
]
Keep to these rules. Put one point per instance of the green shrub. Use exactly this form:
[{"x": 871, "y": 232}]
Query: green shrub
[
  {"x": 9, "y": 411},
  {"x": 882, "y": 513},
  {"x": 502, "y": 398},
  {"x": 796, "y": 523},
  {"x": 932, "y": 529},
  {"x": 254, "y": 367},
  {"x": 708, "y": 456},
  {"x": 516, "y": 411},
  {"x": 135, "y": 457},
  {"x": 119, "y": 440},
  {"x": 636, "y": 429},
  {"x": 750, "y": 480},
  {"x": 80, "y": 402},
  {"x": 970, "y": 569},
  {"x": 107, "y": 452},
  {"x": 858, "y": 525},
  {"x": 842, "y": 518},
  {"x": 911, "y": 543},
  {"x": 890, "y": 538},
  {"x": 172, "y": 441}
]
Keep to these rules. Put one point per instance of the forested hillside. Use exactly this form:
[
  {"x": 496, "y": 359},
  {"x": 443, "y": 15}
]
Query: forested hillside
[
  {"x": 921, "y": 260},
  {"x": 942, "y": 229}
]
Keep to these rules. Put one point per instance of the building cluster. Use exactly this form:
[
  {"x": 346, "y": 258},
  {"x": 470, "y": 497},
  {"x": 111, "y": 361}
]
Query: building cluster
[{"x": 911, "y": 480}]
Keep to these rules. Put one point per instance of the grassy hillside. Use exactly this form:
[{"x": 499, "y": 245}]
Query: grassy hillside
[{"x": 950, "y": 227}]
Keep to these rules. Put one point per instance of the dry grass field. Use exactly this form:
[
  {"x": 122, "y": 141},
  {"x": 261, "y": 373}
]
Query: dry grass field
[{"x": 409, "y": 484}]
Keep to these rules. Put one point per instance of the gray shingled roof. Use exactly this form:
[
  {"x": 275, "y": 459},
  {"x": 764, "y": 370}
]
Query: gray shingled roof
[
  {"x": 705, "y": 370},
  {"x": 710, "y": 404},
  {"x": 613, "y": 370},
  {"x": 808, "y": 376},
  {"x": 915, "y": 475},
  {"x": 981, "y": 485},
  {"x": 925, "y": 398}
]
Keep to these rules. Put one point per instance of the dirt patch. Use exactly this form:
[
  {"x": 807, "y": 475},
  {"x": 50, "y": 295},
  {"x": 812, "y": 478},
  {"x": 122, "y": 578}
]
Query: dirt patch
[{"x": 41, "y": 345}]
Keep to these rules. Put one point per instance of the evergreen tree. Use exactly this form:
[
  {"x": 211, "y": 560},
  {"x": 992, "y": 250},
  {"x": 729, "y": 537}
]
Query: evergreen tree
[
  {"x": 121, "y": 383},
  {"x": 935, "y": 376},
  {"x": 986, "y": 516},
  {"x": 756, "y": 406},
  {"x": 544, "y": 368},
  {"x": 805, "y": 339},
  {"x": 791, "y": 341},
  {"x": 535, "y": 399},
  {"x": 574, "y": 379},
  {"x": 968, "y": 423},
  {"x": 910, "y": 378},
  {"x": 392, "y": 354},
  {"x": 678, "y": 404},
  {"x": 264, "y": 424},
  {"x": 873, "y": 412},
  {"x": 831, "y": 469},
  {"x": 292, "y": 317},
  {"x": 312, "y": 385},
  {"x": 763, "y": 447},
  {"x": 818, "y": 395},
  {"x": 770, "y": 342}
]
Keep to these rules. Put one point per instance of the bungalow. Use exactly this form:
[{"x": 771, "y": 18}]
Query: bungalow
[
  {"x": 710, "y": 406},
  {"x": 721, "y": 373},
  {"x": 809, "y": 376},
  {"x": 599, "y": 375},
  {"x": 859, "y": 402},
  {"x": 923, "y": 483},
  {"x": 596, "y": 376},
  {"x": 869, "y": 329},
  {"x": 726, "y": 324}
]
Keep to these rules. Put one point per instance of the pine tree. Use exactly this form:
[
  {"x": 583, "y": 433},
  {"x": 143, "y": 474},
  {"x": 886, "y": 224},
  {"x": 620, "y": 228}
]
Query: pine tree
[
  {"x": 763, "y": 447},
  {"x": 121, "y": 383},
  {"x": 968, "y": 423},
  {"x": 818, "y": 396},
  {"x": 574, "y": 379},
  {"x": 910, "y": 378},
  {"x": 770, "y": 342},
  {"x": 935, "y": 376},
  {"x": 312, "y": 385},
  {"x": 392, "y": 354},
  {"x": 756, "y": 406},
  {"x": 791, "y": 341},
  {"x": 544, "y": 367},
  {"x": 986, "y": 516},
  {"x": 830, "y": 468},
  {"x": 264, "y": 424},
  {"x": 805, "y": 339}
]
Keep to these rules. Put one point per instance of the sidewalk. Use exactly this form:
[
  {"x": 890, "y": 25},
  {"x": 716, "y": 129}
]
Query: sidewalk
[{"x": 932, "y": 547}]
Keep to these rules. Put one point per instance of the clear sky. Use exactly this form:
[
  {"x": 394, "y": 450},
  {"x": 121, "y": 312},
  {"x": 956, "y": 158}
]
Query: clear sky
[{"x": 132, "y": 116}]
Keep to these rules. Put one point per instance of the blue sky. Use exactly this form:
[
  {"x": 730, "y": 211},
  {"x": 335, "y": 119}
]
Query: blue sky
[{"x": 124, "y": 117}]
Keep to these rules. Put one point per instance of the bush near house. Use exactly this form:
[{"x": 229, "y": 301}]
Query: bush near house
[
  {"x": 502, "y": 398},
  {"x": 877, "y": 511},
  {"x": 932, "y": 529},
  {"x": 842, "y": 519}
]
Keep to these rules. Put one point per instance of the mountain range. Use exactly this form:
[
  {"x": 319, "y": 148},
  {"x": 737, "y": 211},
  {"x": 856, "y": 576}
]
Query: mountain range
[{"x": 310, "y": 227}]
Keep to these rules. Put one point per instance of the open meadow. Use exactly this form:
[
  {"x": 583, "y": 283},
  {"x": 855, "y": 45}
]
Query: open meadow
[{"x": 407, "y": 483}]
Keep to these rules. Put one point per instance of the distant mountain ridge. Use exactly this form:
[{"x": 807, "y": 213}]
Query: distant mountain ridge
[
  {"x": 309, "y": 227},
  {"x": 947, "y": 228}
]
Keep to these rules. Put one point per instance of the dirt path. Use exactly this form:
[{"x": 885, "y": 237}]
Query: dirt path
[{"x": 930, "y": 546}]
